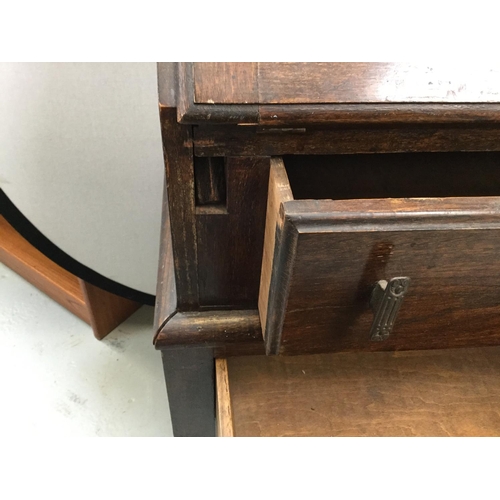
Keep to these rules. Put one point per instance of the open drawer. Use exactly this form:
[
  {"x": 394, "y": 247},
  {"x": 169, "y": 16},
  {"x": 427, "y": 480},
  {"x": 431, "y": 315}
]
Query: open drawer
[{"x": 404, "y": 255}]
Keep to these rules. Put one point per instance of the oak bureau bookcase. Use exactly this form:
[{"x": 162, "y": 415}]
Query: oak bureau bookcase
[{"x": 323, "y": 207}]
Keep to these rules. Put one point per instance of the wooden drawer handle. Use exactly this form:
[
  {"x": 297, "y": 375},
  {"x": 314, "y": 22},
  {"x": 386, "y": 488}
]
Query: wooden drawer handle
[{"x": 385, "y": 302}]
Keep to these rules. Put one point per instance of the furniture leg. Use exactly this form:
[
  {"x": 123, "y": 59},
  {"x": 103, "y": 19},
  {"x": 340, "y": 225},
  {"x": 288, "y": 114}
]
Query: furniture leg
[{"x": 190, "y": 380}]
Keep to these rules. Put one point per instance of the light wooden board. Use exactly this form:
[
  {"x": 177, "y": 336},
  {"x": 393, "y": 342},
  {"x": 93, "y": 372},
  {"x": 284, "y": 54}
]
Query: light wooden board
[
  {"x": 278, "y": 193},
  {"x": 224, "y": 411},
  {"x": 454, "y": 392}
]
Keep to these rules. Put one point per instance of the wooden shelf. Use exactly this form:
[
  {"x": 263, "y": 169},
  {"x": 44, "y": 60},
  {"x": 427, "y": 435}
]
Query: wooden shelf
[{"x": 453, "y": 392}]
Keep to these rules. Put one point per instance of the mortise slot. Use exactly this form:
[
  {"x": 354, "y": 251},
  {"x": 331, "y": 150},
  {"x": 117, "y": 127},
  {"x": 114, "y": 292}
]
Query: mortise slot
[{"x": 210, "y": 181}]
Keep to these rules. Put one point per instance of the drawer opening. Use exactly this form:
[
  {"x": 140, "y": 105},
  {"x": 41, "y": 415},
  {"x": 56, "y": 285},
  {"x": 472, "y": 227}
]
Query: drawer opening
[
  {"x": 334, "y": 230},
  {"x": 394, "y": 175}
]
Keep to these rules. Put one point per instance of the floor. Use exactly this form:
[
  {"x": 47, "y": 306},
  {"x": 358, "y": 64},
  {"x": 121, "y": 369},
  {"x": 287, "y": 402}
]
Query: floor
[{"x": 57, "y": 380}]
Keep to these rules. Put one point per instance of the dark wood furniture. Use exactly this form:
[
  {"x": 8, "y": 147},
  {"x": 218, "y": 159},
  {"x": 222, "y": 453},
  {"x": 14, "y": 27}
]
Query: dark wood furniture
[{"x": 323, "y": 207}]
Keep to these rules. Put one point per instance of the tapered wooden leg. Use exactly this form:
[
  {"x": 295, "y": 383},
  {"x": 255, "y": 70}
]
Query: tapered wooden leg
[
  {"x": 190, "y": 379},
  {"x": 106, "y": 310}
]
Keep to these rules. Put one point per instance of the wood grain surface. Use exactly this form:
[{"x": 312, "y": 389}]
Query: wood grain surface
[
  {"x": 287, "y": 83},
  {"x": 249, "y": 141},
  {"x": 230, "y": 240},
  {"x": 227, "y": 332},
  {"x": 106, "y": 310},
  {"x": 210, "y": 181},
  {"x": 189, "y": 111},
  {"x": 279, "y": 192},
  {"x": 329, "y": 254},
  {"x": 287, "y": 94},
  {"x": 453, "y": 298},
  {"x": 224, "y": 410},
  {"x": 329, "y": 83},
  {"x": 179, "y": 173},
  {"x": 222, "y": 82},
  {"x": 453, "y": 392},
  {"x": 102, "y": 310},
  {"x": 166, "y": 292},
  {"x": 328, "y": 115},
  {"x": 24, "y": 259}
]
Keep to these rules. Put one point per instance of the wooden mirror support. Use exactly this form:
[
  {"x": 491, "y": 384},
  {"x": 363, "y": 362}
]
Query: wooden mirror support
[{"x": 102, "y": 310}]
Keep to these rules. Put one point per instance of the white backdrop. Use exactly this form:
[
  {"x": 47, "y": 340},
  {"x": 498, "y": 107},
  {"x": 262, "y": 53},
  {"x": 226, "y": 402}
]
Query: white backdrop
[{"x": 81, "y": 158}]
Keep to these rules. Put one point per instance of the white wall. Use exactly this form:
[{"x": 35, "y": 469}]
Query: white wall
[{"x": 81, "y": 158}]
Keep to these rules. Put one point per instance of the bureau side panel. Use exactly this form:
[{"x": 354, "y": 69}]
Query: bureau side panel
[
  {"x": 178, "y": 154},
  {"x": 230, "y": 241}
]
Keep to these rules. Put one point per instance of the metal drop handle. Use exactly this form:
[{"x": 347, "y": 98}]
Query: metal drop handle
[{"x": 385, "y": 302}]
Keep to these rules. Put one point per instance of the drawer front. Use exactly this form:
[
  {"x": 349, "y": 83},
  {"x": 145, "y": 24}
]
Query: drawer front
[{"x": 323, "y": 259}]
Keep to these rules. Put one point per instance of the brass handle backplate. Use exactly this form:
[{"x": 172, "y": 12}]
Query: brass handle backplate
[{"x": 385, "y": 302}]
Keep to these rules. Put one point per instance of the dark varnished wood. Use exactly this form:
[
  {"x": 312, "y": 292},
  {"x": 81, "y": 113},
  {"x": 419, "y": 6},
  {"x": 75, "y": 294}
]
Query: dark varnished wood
[
  {"x": 328, "y": 255},
  {"x": 285, "y": 94},
  {"x": 178, "y": 153},
  {"x": 189, "y": 372},
  {"x": 189, "y": 343},
  {"x": 166, "y": 291},
  {"x": 453, "y": 299},
  {"x": 326, "y": 250},
  {"x": 333, "y": 83},
  {"x": 327, "y": 115},
  {"x": 167, "y": 84},
  {"x": 451, "y": 392},
  {"x": 230, "y": 240},
  {"x": 221, "y": 83},
  {"x": 229, "y": 333},
  {"x": 249, "y": 141},
  {"x": 314, "y": 115},
  {"x": 295, "y": 83},
  {"x": 190, "y": 378},
  {"x": 311, "y": 83},
  {"x": 190, "y": 112},
  {"x": 210, "y": 181}
]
